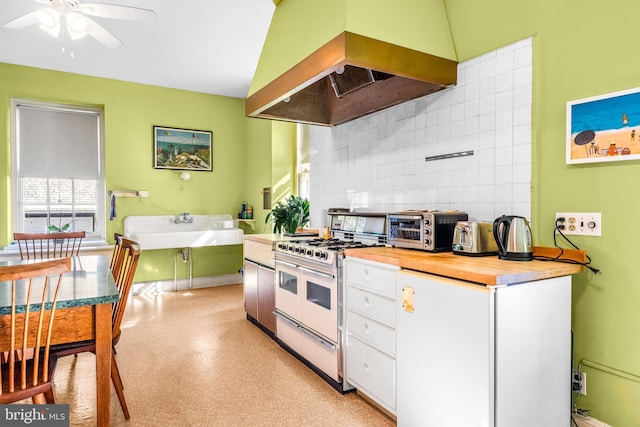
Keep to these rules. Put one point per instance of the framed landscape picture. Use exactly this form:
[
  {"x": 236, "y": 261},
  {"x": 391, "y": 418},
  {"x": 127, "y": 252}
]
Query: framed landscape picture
[
  {"x": 182, "y": 149},
  {"x": 604, "y": 128}
]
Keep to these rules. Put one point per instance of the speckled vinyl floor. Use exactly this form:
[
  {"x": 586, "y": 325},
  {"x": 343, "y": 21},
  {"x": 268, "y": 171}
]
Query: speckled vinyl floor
[{"x": 192, "y": 359}]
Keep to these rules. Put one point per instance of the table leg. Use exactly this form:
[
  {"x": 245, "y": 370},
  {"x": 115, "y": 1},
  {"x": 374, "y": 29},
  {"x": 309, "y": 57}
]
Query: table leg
[{"x": 103, "y": 363}]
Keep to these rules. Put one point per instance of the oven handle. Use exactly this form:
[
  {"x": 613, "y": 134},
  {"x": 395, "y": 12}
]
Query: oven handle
[
  {"x": 317, "y": 338},
  {"x": 286, "y": 319},
  {"x": 290, "y": 264},
  {"x": 308, "y": 270},
  {"x": 304, "y": 330}
]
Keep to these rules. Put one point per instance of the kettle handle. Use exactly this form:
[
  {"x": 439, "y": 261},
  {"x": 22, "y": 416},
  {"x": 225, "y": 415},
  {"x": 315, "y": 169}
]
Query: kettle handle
[{"x": 500, "y": 234}]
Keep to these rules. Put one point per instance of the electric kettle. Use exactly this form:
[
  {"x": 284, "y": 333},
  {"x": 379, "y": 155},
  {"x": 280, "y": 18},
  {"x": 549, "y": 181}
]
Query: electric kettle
[{"x": 513, "y": 236}]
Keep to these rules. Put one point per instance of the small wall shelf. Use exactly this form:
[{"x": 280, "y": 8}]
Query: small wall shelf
[
  {"x": 128, "y": 193},
  {"x": 249, "y": 222}
]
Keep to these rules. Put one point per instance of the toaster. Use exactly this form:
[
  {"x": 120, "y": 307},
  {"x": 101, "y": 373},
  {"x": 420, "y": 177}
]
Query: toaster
[{"x": 474, "y": 238}]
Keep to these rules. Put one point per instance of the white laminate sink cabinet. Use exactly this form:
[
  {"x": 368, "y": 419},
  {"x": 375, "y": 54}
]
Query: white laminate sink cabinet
[{"x": 470, "y": 355}]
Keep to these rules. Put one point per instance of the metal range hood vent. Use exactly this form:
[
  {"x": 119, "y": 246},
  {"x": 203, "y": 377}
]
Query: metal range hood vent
[{"x": 349, "y": 77}]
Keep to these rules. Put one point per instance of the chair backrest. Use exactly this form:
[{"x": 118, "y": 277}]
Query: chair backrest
[
  {"x": 28, "y": 328},
  {"x": 118, "y": 254},
  {"x": 49, "y": 245},
  {"x": 129, "y": 254}
]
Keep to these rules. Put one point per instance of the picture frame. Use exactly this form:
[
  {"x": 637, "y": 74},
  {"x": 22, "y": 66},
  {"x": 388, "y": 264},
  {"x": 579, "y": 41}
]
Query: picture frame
[
  {"x": 182, "y": 149},
  {"x": 604, "y": 128}
]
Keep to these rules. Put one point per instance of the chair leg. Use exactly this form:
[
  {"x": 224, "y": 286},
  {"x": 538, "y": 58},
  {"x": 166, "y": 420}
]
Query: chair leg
[
  {"x": 48, "y": 395},
  {"x": 39, "y": 399},
  {"x": 117, "y": 384}
]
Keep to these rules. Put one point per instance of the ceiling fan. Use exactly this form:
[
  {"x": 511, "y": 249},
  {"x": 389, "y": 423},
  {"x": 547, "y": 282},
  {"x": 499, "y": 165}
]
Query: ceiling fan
[{"x": 72, "y": 14}]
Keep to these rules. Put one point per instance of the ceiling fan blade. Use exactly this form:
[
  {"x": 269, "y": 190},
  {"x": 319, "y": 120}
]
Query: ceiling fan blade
[
  {"x": 99, "y": 33},
  {"x": 113, "y": 11},
  {"x": 23, "y": 21}
]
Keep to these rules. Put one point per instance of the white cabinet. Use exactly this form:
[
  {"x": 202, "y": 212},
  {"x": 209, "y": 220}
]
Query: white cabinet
[
  {"x": 470, "y": 355},
  {"x": 370, "y": 365}
]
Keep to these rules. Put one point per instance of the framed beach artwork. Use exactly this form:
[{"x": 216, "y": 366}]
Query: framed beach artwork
[
  {"x": 182, "y": 149},
  {"x": 604, "y": 128}
]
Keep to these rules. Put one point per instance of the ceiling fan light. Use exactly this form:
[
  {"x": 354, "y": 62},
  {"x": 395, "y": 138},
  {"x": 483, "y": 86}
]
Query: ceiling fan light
[
  {"x": 76, "y": 23},
  {"x": 48, "y": 18},
  {"x": 49, "y": 22}
]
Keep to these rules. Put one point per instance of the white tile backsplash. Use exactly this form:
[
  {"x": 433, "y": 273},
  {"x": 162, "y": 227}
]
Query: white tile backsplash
[{"x": 377, "y": 163}]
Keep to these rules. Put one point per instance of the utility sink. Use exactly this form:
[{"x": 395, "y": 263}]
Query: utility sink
[{"x": 191, "y": 231}]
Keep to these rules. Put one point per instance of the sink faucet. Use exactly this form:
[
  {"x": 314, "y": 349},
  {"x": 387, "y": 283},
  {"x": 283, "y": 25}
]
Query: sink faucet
[{"x": 184, "y": 218}]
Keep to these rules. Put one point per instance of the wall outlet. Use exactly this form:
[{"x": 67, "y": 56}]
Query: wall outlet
[
  {"x": 579, "y": 382},
  {"x": 579, "y": 223}
]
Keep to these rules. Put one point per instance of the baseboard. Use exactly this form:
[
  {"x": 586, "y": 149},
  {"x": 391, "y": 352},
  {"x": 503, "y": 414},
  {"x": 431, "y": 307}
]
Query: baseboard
[
  {"x": 183, "y": 284},
  {"x": 588, "y": 421}
]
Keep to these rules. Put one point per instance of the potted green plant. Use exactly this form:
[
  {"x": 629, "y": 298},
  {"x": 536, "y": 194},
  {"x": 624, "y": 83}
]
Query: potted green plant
[
  {"x": 59, "y": 228},
  {"x": 289, "y": 215}
]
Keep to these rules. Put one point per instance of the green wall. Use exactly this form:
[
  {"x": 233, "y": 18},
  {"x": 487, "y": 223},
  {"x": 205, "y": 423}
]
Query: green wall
[
  {"x": 581, "y": 49},
  {"x": 130, "y": 112}
]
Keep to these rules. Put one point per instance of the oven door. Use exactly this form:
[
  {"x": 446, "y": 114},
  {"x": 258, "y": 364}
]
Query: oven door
[
  {"x": 289, "y": 289},
  {"x": 405, "y": 231},
  {"x": 320, "y": 302}
]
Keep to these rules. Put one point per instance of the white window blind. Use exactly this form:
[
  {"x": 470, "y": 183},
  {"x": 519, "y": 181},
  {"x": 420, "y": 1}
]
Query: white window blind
[
  {"x": 63, "y": 144},
  {"x": 58, "y": 168}
]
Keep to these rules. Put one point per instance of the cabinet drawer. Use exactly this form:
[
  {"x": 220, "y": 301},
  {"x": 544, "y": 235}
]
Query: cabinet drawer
[
  {"x": 372, "y": 305},
  {"x": 371, "y": 276},
  {"x": 289, "y": 334},
  {"x": 259, "y": 252},
  {"x": 372, "y": 372},
  {"x": 372, "y": 332}
]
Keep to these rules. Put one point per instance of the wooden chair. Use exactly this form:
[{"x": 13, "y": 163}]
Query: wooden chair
[
  {"x": 27, "y": 367},
  {"x": 49, "y": 245},
  {"x": 124, "y": 263}
]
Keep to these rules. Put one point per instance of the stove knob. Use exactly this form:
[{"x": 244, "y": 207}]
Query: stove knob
[
  {"x": 317, "y": 254},
  {"x": 427, "y": 241},
  {"x": 323, "y": 255},
  {"x": 282, "y": 246},
  {"x": 309, "y": 252},
  {"x": 297, "y": 250},
  {"x": 290, "y": 248},
  {"x": 427, "y": 231}
]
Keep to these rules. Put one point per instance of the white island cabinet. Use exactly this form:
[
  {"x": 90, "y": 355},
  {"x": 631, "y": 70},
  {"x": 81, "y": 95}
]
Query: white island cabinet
[
  {"x": 488, "y": 356},
  {"x": 370, "y": 289}
]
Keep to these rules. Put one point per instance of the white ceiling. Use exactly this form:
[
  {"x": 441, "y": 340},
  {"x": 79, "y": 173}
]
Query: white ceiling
[{"x": 209, "y": 46}]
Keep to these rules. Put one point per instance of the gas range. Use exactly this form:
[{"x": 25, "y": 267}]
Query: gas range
[
  {"x": 310, "y": 294},
  {"x": 320, "y": 250}
]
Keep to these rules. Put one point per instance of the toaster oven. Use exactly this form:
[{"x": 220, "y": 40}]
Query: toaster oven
[{"x": 425, "y": 230}]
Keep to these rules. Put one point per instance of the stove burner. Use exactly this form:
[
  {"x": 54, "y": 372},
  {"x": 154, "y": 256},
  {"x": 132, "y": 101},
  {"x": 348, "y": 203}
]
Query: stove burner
[{"x": 337, "y": 244}]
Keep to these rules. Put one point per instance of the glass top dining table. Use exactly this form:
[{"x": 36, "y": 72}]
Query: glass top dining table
[{"x": 84, "y": 307}]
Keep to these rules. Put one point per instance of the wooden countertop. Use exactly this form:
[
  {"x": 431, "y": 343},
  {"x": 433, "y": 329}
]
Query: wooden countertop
[
  {"x": 263, "y": 238},
  {"x": 270, "y": 238},
  {"x": 487, "y": 270}
]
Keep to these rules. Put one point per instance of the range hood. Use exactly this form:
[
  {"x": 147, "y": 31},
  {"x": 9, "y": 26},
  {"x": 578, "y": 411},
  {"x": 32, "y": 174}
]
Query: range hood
[{"x": 350, "y": 76}]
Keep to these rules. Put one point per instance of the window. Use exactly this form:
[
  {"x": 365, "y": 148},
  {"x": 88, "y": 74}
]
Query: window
[
  {"x": 302, "y": 161},
  {"x": 58, "y": 168}
]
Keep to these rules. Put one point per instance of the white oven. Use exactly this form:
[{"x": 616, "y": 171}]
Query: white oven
[
  {"x": 310, "y": 293},
  {"x": 307, "y": 315}
]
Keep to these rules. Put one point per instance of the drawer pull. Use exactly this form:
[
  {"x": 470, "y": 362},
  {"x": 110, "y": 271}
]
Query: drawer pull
[
  {"x": 367, "y": 276},
  {"x": 367, "y": 330},
  {"x": 366, "y": 368},
  {"x": 366, "y": 301}
]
